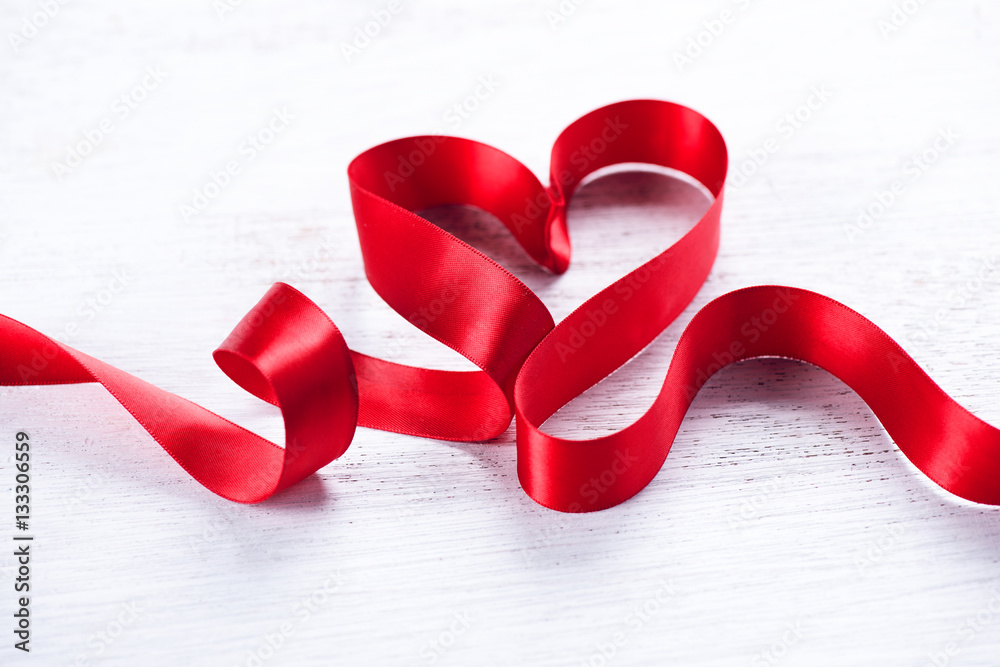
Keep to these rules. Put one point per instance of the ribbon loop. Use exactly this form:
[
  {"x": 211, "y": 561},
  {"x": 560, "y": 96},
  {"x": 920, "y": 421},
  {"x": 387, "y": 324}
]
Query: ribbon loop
[
  {"x": 618, "y": 322},
  {"x": 286, "y": 351}
]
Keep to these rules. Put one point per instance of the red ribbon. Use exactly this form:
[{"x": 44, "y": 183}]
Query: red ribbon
[{"x": 287, "y": 352}]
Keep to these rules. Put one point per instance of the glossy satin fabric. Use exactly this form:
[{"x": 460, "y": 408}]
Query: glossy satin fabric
[{"x": 287, "y": 352}]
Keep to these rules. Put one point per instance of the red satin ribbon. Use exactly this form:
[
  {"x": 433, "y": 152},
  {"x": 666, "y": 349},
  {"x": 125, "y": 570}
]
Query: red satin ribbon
[{"x": 287, "y": 352}]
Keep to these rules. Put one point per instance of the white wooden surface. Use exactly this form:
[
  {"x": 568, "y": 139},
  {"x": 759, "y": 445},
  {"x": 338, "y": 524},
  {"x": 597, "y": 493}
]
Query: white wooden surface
[{"x": 784, "y": 519}]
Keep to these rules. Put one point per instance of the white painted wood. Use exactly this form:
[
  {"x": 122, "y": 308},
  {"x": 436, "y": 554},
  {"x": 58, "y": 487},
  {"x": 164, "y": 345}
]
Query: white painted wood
[{"x": 783, "y": 503}]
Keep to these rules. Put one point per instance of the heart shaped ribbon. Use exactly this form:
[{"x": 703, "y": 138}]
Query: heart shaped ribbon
[{"x": 287, "y": 352}]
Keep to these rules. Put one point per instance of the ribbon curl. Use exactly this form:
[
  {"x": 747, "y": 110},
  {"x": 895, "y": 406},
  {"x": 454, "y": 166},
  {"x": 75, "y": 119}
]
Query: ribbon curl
[{"x": 287, "y": 352}]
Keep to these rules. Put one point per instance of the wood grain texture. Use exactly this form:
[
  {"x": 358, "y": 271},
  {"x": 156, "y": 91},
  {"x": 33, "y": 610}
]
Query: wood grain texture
[{"x": 784, "y": 519}]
